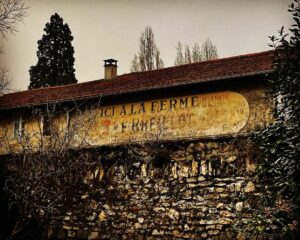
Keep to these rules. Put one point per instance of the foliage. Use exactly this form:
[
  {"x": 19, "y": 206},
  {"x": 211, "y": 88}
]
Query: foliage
[
  {"x": 148, "y": 57},
  {"x": 55, "y": 64},
  {"x": 207, "y": 52},
  {"x": 278, "y": 215},
  {"x": 269, "y": 220},
  {"x": 280, "y": 142},
  {"x": 12, "y": 12}
]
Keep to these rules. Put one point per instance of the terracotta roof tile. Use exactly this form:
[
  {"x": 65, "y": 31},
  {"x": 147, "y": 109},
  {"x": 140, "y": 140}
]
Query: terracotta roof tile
[{"x": 224, "y": 68}]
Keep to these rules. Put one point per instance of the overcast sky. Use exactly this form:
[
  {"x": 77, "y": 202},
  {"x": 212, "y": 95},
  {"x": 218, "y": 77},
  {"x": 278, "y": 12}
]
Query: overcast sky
[{"x": 110, "y": 29}]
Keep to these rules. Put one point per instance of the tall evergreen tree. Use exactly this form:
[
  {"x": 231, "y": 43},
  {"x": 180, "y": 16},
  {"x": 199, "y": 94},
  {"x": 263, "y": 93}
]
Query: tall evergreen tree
[{"x": 55, "y": 64}]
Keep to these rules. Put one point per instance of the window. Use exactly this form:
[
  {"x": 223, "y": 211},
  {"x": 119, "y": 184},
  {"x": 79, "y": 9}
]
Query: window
[
  {"x": 19, "y": 125},
  {"x": 46, "y": 125}
]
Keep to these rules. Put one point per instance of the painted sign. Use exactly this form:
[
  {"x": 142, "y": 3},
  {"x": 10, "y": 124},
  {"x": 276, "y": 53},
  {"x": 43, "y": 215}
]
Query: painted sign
[{"x": 172, "y": 118}]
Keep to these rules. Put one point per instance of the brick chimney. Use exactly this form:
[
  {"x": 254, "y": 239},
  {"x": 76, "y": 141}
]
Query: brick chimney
[{"x": 110, "y": 69}]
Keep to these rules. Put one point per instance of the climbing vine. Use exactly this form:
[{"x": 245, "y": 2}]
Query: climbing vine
[{"x": 276, "y": 214}]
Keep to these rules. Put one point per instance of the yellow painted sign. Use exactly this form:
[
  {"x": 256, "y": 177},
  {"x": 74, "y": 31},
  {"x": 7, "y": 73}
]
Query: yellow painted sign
[{"x": 172, "y": 118}]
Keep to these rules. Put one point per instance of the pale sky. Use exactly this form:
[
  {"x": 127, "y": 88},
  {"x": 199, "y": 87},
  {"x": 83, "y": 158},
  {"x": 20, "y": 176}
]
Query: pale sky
[{"x": 110, "y": 29}]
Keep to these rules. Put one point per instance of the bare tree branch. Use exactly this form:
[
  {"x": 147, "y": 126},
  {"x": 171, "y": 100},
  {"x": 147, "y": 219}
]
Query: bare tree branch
[
  {"x": 148, "y": 57},
  {"x": 12, "y": 12},
  {"x": 209, "y": 51},
  {"x": 179, "y": 60},
  {"x": 4, "y": 81},
  {"x": 185, "y": 56}
]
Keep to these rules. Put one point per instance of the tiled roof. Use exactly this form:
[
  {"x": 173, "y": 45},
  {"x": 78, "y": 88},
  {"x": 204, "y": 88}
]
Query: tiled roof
[{"x": 224, "y": 68}]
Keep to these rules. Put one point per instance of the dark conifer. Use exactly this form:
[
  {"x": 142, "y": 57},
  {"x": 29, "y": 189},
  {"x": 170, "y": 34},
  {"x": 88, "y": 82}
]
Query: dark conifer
[{"x": 55, "y": 64}]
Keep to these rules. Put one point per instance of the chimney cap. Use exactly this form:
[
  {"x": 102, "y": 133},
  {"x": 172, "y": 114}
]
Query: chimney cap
[{"x": 110, "y": 62}]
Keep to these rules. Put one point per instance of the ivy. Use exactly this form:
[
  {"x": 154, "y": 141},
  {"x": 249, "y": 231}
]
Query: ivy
[
  {"x": 277, "y": 211},
  {"x": 279, "y": 166}
]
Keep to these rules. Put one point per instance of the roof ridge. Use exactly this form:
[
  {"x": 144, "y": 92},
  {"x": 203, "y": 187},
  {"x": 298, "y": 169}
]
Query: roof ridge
[
  {"x": 202, "y": 62},
  {"x": 138, "y": 73}
]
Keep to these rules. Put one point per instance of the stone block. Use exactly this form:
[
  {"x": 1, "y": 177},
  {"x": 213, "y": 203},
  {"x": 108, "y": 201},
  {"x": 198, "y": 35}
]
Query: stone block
[
  {"x": 198, "y": 198},
  {"x": 226, "y": 213},
  {"x": 224, "y": 221},
  {"x": 201, "y": 178},
  {"x": 67, "y": 218},
  {"x": 204, "y": 235},
  {"x": 67, "y": 227},
  {"x": 187, "y": 195},
  {"x": 137, "y": 225},
  {"x": 250, "y": 187},
  {"x": 219, "y": 190},
  {"x": 102, "y": 216},
  {"x": 213, "y": 232},
  {"x": 85, "y": 196},
  {"x": 193, "y": 185},
  {"x": 224, "y": 195},
  {"x": 173, "y": 214},
  {"x": 157, "y": 232},
  {"x": 231, "y": 159},
  {"x": 212, "y": 210},
  {"x": 93, "y": 235},
  {"x": 191, "y": 179},
  {"x": 220, "y": 206},
  {"x": 239, "y": 206},
  {"x": 205, "y": 184},
  {"x": 176, "y": 233}
]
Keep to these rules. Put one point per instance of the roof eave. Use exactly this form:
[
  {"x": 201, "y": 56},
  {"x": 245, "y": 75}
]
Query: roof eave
[{"x": 186, "y": 83}]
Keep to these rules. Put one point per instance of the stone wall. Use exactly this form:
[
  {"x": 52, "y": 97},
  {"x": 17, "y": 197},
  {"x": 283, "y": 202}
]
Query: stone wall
[{"x": 171, "y": 190}]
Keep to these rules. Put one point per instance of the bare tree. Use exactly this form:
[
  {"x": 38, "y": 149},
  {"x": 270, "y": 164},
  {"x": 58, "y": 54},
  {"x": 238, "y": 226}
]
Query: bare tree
[
  {"x": 12, "y": 12},
  {"x": 4, "y": 81},
  {"x": 52, "y": 167},
  {"x": 187, "y": 57},
  {"x": 48, "y": 166},
  {"x": 148, "y": 57},
  {"x": 158, "y": 61},
  {"x": 209, "y": 50},
  {"x": 179, "y": 60},
  {"x": 196, "y": 53},
  {"x": 187, "y": 54},
  {"x": 135, "y": 64}
]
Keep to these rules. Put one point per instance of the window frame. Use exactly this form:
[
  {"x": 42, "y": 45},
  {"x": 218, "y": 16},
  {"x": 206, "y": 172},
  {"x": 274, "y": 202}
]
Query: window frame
[{"x": 18, "y": 127}]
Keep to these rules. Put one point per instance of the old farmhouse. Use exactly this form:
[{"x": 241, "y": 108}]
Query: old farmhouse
[{"x": 188, "y": 129}]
